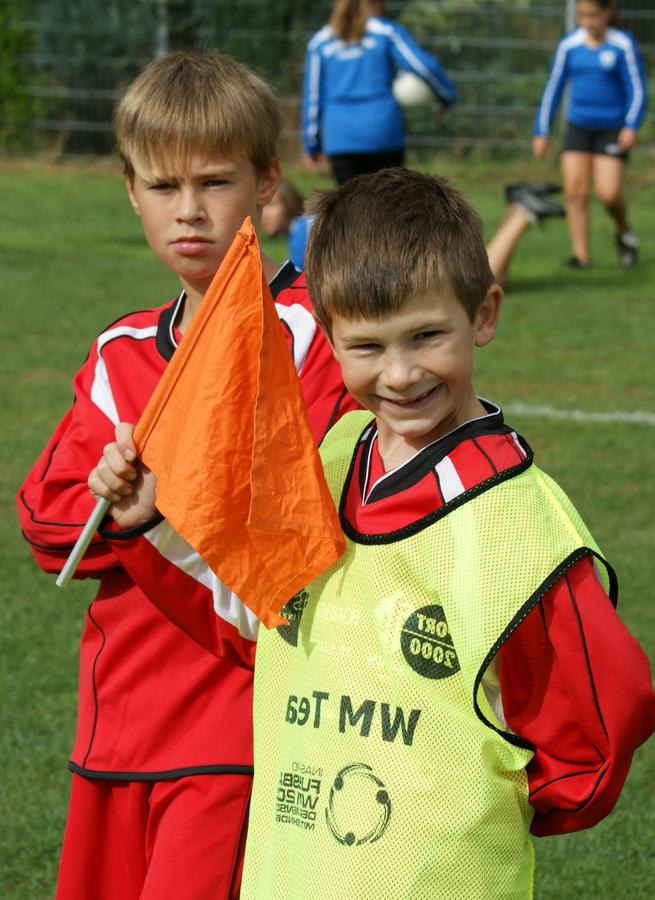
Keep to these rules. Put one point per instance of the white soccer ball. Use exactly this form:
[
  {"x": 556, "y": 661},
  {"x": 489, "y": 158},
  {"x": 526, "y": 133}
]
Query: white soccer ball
[{"x": 410, "y": 90}]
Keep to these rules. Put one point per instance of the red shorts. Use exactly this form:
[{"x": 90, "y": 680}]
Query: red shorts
[{"x": 160, "y": 840}]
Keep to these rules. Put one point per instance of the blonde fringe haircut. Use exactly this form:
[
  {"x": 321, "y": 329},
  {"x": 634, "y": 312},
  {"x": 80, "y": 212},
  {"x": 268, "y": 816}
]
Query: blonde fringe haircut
[
  {"x": 381, "y": 239},
  {"x": 349, "y": 18},
  {"x": 188, "y": 102}
]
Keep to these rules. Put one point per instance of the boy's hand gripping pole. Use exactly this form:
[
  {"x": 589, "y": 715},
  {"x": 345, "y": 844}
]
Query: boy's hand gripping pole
[{"x": 83, "y": 541}]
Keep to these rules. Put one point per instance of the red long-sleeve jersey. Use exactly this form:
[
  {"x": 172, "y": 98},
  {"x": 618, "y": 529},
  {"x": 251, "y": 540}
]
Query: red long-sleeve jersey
[
  {"x": 152, "y": 703},
  {"x": 571, "y": 680}
]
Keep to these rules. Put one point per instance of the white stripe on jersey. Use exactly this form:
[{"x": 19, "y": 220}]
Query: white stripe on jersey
[
  {"x": 139, "y": 334},
  {"x": 227, "y": 605},
  {"x": 624, "y": 43},
  {"x": 101, "y": 392},
  {"x": 320, "y": 36},
  {"x": 173, "y": 318},
  {"x": 377, "y": 27},
  {"x": 515, "y": 438},
  {"x": 302, "y": 325},
  {"x": 314, "y": 95},
  {"x": 449, "y": 480},
  {"x": 573, "y": 40}
]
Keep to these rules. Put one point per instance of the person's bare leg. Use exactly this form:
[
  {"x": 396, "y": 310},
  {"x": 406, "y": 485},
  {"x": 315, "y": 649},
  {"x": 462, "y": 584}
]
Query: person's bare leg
[
  {"x": 502, "y": 245},
  {"x": 576, "y": 171},
  {"x": 608, "y": 184}
]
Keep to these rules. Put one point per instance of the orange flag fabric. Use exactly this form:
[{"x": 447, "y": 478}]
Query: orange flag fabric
[{"x": 226, "y": 434}]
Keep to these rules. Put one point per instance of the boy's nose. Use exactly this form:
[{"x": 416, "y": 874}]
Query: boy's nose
[
  {"x": 190, "y": 208},
  {"x": 400, "y": 373}
]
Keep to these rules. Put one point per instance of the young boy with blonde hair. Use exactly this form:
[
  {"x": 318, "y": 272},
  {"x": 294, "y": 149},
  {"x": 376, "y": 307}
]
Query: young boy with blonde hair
[{"x": 162, "y": 761}]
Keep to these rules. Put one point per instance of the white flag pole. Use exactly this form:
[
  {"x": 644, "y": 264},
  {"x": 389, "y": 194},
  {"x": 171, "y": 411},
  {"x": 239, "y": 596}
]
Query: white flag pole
[{"x": 83, "y": 541}]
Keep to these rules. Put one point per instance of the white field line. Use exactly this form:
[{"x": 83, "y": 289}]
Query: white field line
[{"x": 579, "y": 415}]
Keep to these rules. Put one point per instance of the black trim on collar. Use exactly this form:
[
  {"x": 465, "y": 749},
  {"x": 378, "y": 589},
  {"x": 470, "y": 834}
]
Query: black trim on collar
[
  {"x": 292, "y": 338},
  {"x": 283, "y": 278},
  {"x": 439, "y": 488},
  {"x": 415, "y": 469},
  {"x": 168, "y": 775},
  {"x": 522, "y": 614},
  {"x": 365, "y": 464},
  {"x": 400, "y": 534},
  {"x": 426, "y": 465},
  {"x": 164, "y": 341}
]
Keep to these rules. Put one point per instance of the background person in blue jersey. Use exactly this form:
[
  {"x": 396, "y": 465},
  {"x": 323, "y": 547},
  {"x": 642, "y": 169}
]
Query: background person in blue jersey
[
  {"x": 348, "y": 110},
  {"x": 606, "y": 108}
]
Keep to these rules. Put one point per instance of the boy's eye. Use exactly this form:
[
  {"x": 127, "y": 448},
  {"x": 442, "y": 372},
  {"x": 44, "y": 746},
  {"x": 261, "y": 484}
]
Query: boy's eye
[
  {"x": 162, "y": 186},
  {"x": 216, "y": 182},
  {"x": 427, "y": 335},
  {"x": 366, "y": 347}
]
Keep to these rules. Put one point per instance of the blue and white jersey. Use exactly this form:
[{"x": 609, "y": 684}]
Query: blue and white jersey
[
  {"x": 347, "y": 104},
  {"x": 608, "y": 89}
]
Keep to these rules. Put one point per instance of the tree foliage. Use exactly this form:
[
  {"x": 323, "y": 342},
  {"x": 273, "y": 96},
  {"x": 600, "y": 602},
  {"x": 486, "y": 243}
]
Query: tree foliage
[{"x": 15, "y": 44}]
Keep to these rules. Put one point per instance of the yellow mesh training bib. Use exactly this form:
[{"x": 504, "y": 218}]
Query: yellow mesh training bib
[{"x": 381, "y": 770}]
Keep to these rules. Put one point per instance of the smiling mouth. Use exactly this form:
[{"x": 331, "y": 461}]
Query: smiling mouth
[{"x": 414, "y": 401}]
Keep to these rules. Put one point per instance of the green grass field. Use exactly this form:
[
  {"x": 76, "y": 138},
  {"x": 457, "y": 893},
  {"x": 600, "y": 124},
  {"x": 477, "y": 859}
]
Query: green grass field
[{"x": 74, "y": 259}]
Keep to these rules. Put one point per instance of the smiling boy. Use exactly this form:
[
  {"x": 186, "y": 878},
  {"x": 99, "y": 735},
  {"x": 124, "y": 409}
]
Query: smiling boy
[
  {"x": 162, "y": 760},
  {"x": 459, "y": 677}
]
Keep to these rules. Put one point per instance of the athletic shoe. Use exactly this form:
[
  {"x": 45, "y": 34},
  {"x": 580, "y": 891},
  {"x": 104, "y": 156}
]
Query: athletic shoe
[
  {"x": 628, "y": 246},
  {"x": 537, "y": 206},
  {"x": 575, "y": 263},
  {"x": 540, "y": 188}
]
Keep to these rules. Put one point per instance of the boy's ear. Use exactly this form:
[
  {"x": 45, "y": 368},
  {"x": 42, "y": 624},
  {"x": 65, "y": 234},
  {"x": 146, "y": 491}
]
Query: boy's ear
[
  {"x": 129, "y": 187},
  {"x": 486, "y": 318},
  {"x": 268, "y": 182}
]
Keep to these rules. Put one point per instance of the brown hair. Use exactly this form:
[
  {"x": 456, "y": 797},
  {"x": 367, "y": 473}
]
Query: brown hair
[
  {"x": 380, "y": 239},
  {"x": 349, "y": 18},
  {"x": 187, "y": 102}
]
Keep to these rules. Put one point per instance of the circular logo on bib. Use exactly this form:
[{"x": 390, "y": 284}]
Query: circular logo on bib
[
  {"x": 293, "y": 611},
  {"x": 427, "y": 644},
  {"x": 359, "y": 807}
]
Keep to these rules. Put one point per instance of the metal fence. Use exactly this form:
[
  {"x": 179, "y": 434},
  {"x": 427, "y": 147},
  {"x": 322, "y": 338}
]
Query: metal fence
[{"x": 71, "y": 59}]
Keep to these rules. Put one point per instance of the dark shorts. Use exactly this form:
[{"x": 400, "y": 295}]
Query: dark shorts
[
  {"x": 597, "y": 141},
  {"x": 346, "y": 165}
]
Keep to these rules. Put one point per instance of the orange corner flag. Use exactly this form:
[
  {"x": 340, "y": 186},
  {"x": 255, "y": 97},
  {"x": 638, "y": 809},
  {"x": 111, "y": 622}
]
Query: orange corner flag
[{"x": 226, "y": 434}]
